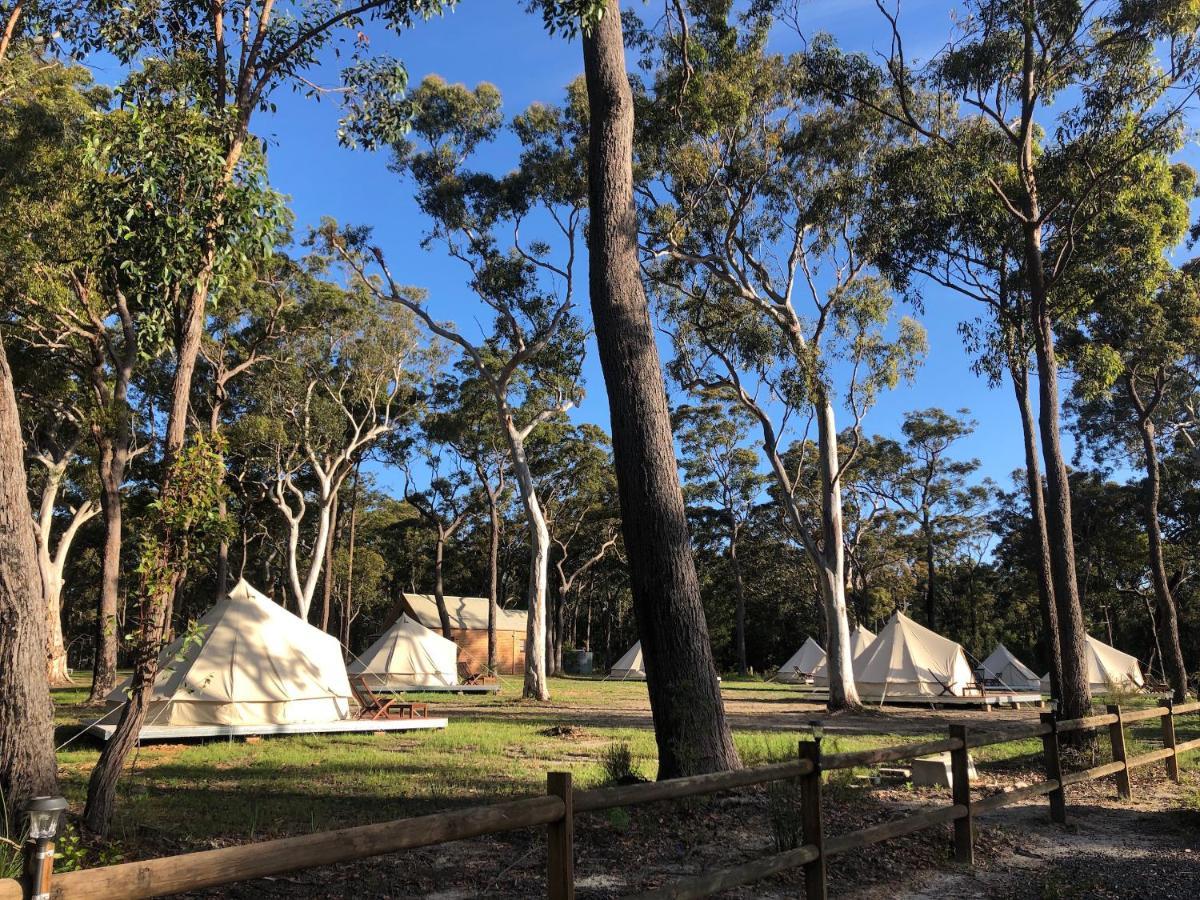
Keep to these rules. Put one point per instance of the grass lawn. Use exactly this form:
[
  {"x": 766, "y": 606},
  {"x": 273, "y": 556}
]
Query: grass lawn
[{"x": 199, "y": 794}]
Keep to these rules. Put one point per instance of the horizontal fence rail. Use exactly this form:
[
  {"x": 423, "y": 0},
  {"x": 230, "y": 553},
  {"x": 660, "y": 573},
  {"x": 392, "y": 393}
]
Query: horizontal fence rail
[{"x": 556, "y": 811}]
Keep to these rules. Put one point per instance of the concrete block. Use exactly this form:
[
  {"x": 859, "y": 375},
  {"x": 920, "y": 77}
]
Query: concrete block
[{"x": 935, "y": 771}]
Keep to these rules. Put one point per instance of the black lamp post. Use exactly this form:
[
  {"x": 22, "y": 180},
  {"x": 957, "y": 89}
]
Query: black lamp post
[{"x": 45, "y": 817}]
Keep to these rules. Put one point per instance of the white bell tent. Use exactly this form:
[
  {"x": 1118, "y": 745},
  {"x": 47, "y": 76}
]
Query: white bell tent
[
  {"x": 248, "y": 661},
  {"x": 1108, "y": 669},
  {"x": 861, "y": 638},
  {"x": 802, "y": 664},
  {"x": 908, "y": 660},
  {"x": 630, "y": 666},
  {"x": 408, "y": 655},
  {"x": 1014, "y": 675}
]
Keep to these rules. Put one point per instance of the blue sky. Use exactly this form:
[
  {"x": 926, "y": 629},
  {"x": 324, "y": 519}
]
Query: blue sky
[{"x": 495, "y": 41}]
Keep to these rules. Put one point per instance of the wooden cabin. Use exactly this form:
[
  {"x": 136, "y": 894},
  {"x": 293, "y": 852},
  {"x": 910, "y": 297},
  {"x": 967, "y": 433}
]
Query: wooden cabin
[{"x": 469, "y": 629}]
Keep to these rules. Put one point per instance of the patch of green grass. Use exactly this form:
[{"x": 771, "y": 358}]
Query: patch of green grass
[{"x": 186, "y": 795}]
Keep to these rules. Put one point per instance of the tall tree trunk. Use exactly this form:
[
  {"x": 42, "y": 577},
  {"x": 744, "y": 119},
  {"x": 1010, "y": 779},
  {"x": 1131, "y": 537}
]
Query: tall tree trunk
[
  {"x": 843, "y": 693},
  {"x": 114, "y": 440},
  {"x": 439, "y": 589},
  {"x": 27, "y": 765},
  {"x": 327, "y": 577},
  {"x": 685, "y": 699},
  {"x": 493, "y": 576},
  {"x": 52, "y": 561},
  {"x": 1037, "y": 512},
  {"x": 1076, "y": 696},
  {"x": 536, "y": 685},
  {"x": 348, "y": 603},
  {"x": 739, "y": 583},
  {"x": 157, "y": 592},
  {"x": 930, "y": 572},
  {"x": 1168, "y": 616},
  {"x": 113, "y": 455},
  {"x": 222, "y": 555}
]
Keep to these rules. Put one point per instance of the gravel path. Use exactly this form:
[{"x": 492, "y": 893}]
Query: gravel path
[{"x": 1146, "y": 847}]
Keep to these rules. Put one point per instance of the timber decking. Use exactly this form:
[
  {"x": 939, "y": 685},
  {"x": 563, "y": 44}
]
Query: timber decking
[{"x": 176, "y": 732}]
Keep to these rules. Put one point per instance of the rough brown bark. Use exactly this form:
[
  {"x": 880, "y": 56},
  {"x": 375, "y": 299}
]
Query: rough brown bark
[
  {"x": 685, "y": 700},
  {"x": 113, "y": 435},
  {"x": 930, "y": 573},
  {"x": 439, "y": 589},
  {"x": 104, "y": 667},
  {"x": 156, "y": 605},
  {"x": 1037, "y": 511},
  {"x": 1075, "y": 695},
  {"x": 1076, "y": 698},
  {"x": 27, "y": 765}
]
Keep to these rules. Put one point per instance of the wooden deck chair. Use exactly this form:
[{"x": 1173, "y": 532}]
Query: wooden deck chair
[
  {"x": 376, "y": 707},
  {"x": 371, "y": 705}
]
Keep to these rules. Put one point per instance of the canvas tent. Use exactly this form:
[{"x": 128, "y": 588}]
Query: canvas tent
[
  {"x": 801, "y": 665},
  {"x": 630, "y": 666},
  {"x": 1108, "y": 668},
  {"x": 1012, "y": 674},
  {"x": 248, "y": 662},
  {"x": 408, "y": 655},
  {"x": 860, "y": 639},
  {"x": 908, "y": 660}
]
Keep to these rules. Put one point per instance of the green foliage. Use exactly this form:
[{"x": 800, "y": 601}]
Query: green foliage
[
  {"x": 188, "y": 514},
  {"x": 162, "y": 198}
]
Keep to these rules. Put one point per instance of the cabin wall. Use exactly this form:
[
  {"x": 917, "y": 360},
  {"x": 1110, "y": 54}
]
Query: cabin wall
[{"x": 473, "y": 649}]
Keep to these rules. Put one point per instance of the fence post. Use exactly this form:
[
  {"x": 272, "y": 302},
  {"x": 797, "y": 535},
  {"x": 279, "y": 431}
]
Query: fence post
[
  {"x": 560, "y": 857},
  {"x": 960, "y": 787},
  {"x": 1058, "y": 797},
  {"x": 1116, "y": 737},
  {"x": 1168, "y": 738},
  {"x": 810, "y": 821}
]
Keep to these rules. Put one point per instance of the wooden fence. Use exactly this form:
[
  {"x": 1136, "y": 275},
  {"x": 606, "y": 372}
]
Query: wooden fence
[{"x": 557, "y": 811}]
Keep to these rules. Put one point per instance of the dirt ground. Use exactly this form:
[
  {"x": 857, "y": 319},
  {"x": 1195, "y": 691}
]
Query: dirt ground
[
  {"x": 748, "y": 707},
  {"x": 1146, "y": 847}
]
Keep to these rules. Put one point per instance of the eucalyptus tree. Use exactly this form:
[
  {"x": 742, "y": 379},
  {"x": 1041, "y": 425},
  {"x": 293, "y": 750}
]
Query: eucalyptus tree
[
  {"x": 573, "y": 465},
  {"x": 685, "y": 700},
  {"x": 1062, "y": 98},
  {"x": 933, "y": 492},
  {"x": 214, "y": 65},
  {"x": 531, "y": 358},
  {"x": 249, "y": 326},
  {"x": 937, "y": 221},
  {"x": 1135, "y": 353},
  {"x": 722, "y": 472},
  {"x": 350, "y": 378},
  {"x": 53, "y": 443},
  {"x": 464, "y": 420},
  {"x": 752, "y": 217},
  {"x": 45, "y": 109},
  {"x": 443, "y": 507},
  {"x": 27, "y": 766}
]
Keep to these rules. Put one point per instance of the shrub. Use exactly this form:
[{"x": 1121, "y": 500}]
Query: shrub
[{"x": 618, "y": 765}]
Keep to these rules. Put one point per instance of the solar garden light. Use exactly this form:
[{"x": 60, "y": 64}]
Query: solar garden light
[{"x": 45, "y": 816}]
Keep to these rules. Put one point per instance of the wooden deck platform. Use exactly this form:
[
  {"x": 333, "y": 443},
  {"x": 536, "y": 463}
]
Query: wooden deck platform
[
  {"x": 1012, "y": 699},
  {"x": 493, "y": 688},
  {"x": 182, "y": 732}
]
